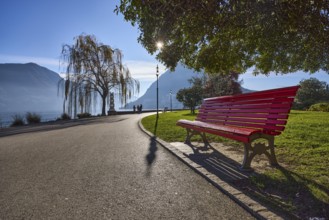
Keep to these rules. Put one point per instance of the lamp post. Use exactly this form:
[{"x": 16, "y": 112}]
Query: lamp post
[
  {"x": 170, "y": 101},
  {"x": 159, "y": 45},
  {"x": 157, "y": 74}
]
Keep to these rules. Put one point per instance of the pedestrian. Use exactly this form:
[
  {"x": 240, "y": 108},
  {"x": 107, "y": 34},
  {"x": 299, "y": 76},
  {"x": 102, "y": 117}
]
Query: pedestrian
[
  {"x": 141, "y": 108},
  {"x": 134, "y": 108}
]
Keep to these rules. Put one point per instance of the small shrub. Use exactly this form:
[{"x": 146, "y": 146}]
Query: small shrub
[
  {"x": 65, "y": 116},
  {"x": 84, "y": 115},
  {"x": 32, "y": 118},
  {"x": 18, "y": 120},
  {"x": 320, "y": 107}
]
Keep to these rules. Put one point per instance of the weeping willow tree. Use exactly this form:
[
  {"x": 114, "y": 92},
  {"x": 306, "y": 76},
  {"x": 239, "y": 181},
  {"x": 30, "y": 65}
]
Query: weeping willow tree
[{"x": 93, "y": 69}]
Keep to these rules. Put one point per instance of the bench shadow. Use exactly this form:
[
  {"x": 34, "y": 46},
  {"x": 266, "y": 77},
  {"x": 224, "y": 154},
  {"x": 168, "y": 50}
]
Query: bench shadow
[
  {"x": 228, "y": 170},
  {"x": 217, "y": 163}
]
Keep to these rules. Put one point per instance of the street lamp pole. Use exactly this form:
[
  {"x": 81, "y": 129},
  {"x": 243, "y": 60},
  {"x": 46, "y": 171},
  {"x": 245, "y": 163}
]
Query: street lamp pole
[
  {"x": 157, "y": 74},
  {"x": 170, "y": 101},
  {"x": 159, "y": 45}
]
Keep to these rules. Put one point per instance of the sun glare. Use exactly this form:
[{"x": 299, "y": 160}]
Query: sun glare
[{"x": 159, "y": 45}]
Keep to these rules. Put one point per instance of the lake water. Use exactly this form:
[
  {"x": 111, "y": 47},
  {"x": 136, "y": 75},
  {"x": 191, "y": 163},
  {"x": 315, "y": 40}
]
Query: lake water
[{"x": 6, "y": 118}]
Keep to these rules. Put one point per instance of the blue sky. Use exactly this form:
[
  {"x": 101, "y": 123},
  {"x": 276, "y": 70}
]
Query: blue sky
[{"x": 35, "y": 30}]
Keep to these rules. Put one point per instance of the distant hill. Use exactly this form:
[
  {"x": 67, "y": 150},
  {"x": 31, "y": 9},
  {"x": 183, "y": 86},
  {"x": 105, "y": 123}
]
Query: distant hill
[
  {"x": 168, "y": 81},
  {"x": 28, "y": 87},
  {"x": 244, "y": 90}
]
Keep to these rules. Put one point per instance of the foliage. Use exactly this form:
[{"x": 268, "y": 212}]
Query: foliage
[
  {"x": 32, "y": 118},
  {"x": 320, "y": 107},
  {"x": 311, "y": 91},
  {"x": 94, "y": 68},
  {"x": 222, "y": 84},
  {"x": 220, "y": 36},
  {"x": 302, "y": 148},
  {"x": 18, "y": 120},
  {"x": 191, "y": 97},
  {"x": 84, "y": 115},
  {"x": 65, "y": 116}
]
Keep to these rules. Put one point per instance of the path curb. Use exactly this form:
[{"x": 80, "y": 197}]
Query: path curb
[{"x": 256, "y": 209}]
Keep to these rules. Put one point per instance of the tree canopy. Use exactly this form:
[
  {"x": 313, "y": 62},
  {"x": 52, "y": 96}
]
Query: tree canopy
[
  {"x": 94, "y": 68},
  {"x": 220, "y": 36},
  {"x": 311, "y": 91},
  {"x": 191, "y": 97},
  {"x": 220, "y": 85}
]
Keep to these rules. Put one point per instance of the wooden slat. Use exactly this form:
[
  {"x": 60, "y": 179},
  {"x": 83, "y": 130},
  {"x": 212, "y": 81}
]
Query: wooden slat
[
  {"x": 253, "y": 110},
  {"x": 248, "y": 102},
  {"x": 282, "y": 92},
  {"x": 248, "y": 106},
  {"x": 268, "y": 126},
  {"x": 240, "y": 134},
  {"x": 214, "y": 119},
  {"x": 249, "y": 115}
]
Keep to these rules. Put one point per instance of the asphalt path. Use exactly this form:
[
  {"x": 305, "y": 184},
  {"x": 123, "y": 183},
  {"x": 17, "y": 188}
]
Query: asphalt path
[{"x": 104, "y": 168}]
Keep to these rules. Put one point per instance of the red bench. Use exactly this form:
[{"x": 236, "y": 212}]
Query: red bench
[{"x": 244, "y": 118}]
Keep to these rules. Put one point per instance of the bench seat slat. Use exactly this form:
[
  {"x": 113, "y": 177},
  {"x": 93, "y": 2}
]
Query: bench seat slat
[
  {"x": 236, "y": 133},
  {"x": 253, "y": 125},
  {"x": 250, "y": 125}
]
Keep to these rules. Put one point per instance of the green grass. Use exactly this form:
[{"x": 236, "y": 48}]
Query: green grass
[{"x": 303, "y": 148}]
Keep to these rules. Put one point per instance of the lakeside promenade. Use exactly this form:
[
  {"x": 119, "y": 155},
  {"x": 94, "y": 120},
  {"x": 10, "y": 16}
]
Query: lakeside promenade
[{"x": 101, "y": 168}]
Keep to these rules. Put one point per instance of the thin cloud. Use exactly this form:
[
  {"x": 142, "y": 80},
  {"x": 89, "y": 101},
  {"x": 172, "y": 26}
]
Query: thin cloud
[{"x": 144, "y": 70}]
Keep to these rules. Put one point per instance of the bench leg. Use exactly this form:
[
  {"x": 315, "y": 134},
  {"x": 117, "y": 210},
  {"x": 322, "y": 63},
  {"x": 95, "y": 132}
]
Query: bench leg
[
  {"x": 204, "y": 139},
  {"x": 191, "y": 132},
  {"x": 251, "y": 150},
  {"x": 271, "y": 155},
  {"x": 246, "y": 164}
]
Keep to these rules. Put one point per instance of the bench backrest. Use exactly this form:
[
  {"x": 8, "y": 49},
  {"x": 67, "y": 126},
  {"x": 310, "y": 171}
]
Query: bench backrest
[{"x": 265, "y": 110}]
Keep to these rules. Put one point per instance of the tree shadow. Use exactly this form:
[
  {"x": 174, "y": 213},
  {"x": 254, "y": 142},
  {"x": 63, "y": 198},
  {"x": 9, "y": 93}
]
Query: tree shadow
[{"x": 298, "y": 190}]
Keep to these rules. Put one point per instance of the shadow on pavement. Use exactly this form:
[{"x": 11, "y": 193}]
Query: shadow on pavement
[
  {"x": 217, "y": 164},
  {"x": 151, "y": 156}
]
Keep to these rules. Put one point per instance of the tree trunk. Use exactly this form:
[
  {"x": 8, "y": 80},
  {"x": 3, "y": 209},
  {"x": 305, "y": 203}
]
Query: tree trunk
[{"x": 103, "y": 105}]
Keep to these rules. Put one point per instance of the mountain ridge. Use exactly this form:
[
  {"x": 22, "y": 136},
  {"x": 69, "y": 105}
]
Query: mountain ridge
[{"x": 28, "y": 87}]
